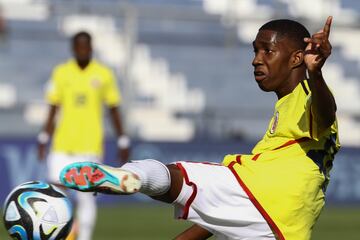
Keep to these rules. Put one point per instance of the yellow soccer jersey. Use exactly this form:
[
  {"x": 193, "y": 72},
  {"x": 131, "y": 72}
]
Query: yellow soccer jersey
[
  {"x": 287, "y": 173},
  {"x": 80, "y": 93}
]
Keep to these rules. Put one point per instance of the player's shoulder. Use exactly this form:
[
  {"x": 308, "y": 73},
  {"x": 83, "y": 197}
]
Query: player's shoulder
[
  {"x": 64, "y": 66},
  {"x": 100, "y": 66},
  {"x": 102, "y": 70}
]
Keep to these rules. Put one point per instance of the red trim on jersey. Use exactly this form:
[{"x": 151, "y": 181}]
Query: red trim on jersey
[
  {"x": 291, "y": 142},
  {"x": 288, "y": 143},
  {"x": 262, "y": 211},
  {"x": 193, "y": 195},
  {"x": 255, "y": 157},
  {"x": 238, "y": 159}
]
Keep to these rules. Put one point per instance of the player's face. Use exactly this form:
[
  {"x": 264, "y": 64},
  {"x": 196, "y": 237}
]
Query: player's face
[
  {"x": 271, "y": 62},
  {"x": 82, "y": 49}
]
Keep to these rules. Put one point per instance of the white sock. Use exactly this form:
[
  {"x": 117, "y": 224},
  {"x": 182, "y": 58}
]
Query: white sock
[
  {"x": 154, "y": 176},
  {"x": 86, "y": 215}
]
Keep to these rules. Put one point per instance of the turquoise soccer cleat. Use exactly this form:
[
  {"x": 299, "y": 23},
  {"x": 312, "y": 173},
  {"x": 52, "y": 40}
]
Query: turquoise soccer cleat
[{"x": 94, "y": 177}]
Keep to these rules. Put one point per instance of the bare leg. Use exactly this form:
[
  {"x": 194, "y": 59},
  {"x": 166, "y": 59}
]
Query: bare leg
[
  {"x": 175, "y": 187},
  {"x": 151, "y": 177}
]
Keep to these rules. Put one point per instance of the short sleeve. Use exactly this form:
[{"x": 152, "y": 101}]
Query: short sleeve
[
  {"x": 53, "y": 92},
  {"x": 112, "y": 95}
]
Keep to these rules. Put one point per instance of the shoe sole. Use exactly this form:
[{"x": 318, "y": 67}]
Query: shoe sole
[{"x": 94, "y": 177}]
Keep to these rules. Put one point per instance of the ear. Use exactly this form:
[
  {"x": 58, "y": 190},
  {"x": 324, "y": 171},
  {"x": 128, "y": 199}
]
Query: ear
[{"x": 296, "y": 59}]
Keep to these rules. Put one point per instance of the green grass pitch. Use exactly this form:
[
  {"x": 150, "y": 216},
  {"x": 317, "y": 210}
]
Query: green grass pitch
[{"x": 155, "y": 222}]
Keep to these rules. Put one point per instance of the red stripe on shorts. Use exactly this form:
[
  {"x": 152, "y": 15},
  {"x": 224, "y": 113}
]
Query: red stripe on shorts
[
  {"x": 262, "y": 211},
  {"x": 193, "y": 195}
]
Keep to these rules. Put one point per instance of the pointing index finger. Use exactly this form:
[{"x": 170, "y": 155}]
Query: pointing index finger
[{"x": 327, "y": 26}]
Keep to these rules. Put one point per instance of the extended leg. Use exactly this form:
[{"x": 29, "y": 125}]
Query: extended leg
[{"x": 149, "y": 176}]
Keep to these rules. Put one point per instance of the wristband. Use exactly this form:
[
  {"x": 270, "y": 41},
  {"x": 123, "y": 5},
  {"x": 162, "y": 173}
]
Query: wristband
[
  {"x": 123, "y": 142},
  {"x": 43, "y": 137}
]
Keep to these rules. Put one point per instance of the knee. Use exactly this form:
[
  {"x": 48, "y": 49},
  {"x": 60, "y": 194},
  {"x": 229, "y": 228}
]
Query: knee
[
  {"x": 173, "y": 169},
  {"x": 175, "y": 174},
  {"x": 176, "y": 180},
  {"x": 175, "y": 185}
]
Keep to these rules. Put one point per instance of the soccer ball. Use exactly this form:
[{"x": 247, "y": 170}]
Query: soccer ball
[{"x": 36, "y": 211}]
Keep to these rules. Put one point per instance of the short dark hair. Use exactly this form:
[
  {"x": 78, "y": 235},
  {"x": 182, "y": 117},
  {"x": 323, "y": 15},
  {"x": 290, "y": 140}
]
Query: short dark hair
[
  {"x": 79, "y": 35},
  {"x": 293, "y": 30}
]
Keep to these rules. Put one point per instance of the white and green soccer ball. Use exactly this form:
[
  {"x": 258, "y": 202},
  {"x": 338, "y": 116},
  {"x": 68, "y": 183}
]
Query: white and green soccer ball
[{"x": 37, "y": 211}]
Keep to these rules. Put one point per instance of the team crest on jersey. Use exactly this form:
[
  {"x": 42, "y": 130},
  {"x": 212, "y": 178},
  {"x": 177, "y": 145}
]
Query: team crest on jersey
[
  {"x": 95, "y": 82},
  {"x": 275, "y": 123}
]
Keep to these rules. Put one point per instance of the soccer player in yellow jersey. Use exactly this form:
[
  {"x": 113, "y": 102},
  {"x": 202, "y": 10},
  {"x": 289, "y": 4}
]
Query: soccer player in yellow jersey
[
  {"x": 77, "y": 91},
  {"x": 278, "y": 191}
]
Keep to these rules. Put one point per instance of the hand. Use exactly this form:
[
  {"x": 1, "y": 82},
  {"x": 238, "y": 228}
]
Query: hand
[
  {"x": 318, "y": 48},
  {"x": 123, "y": 155},
  {"x": 41, "y": 151}
]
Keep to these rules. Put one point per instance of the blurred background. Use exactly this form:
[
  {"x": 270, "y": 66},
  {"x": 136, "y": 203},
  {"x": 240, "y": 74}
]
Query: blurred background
[{"x": 184, "y": 69}]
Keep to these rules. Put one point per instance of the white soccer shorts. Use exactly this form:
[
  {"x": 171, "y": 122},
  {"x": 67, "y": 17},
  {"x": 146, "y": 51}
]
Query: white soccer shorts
[
  {"x": 212, "y": 198},
  {"x": 57, "y": 161}
]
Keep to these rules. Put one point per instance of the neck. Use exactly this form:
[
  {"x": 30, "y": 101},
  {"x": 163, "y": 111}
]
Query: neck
[
  {"x": 83, "y": 64},
  {"x": 296, "y": 76}
]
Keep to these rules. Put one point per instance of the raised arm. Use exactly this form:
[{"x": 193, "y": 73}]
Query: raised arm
[{"x": 317, "y": 51}]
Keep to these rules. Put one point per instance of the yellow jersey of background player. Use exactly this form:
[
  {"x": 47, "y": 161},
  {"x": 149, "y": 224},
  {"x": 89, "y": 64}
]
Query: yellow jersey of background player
[{"x": 81, "y": 94}]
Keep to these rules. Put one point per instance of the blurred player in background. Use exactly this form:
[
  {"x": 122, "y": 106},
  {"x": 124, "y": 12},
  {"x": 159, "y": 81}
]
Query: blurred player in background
[
  {"x": 77, "y": 91},
  {"x": 3, "y": 29},
  {"x": 277, "y": 192}
]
